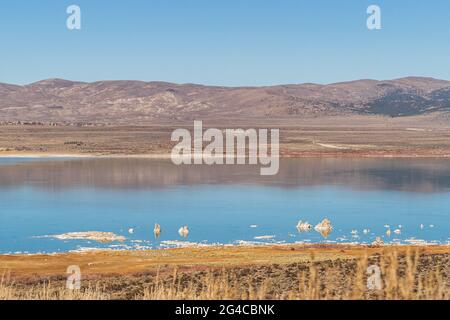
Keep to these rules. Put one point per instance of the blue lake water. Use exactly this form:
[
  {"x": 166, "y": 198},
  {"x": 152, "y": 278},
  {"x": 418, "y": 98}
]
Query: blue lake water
[{"x": 46, "y": 197}]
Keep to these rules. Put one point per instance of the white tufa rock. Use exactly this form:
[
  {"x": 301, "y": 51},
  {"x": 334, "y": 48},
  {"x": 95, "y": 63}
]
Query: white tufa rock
[
  {"x": 157, "y": 230},
  {"x": 378, "y": 242},
  {"x": 303, "y": 226},
  {"x": 184, "y": 232},
  {"x": 325, "y": 225}
]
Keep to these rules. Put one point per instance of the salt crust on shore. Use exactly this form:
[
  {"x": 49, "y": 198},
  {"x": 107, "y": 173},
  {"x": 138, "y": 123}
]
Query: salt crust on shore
[{"x": 103, "y": 237}]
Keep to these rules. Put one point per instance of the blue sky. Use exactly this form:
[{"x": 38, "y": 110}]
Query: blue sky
[{"x": 232, "y": 42}]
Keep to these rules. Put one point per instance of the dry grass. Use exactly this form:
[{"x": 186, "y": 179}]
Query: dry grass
[
  {"x": 401, "y": 280},
  {"x": 409, "y": 275},
  {"x": 48, "y": 291}
]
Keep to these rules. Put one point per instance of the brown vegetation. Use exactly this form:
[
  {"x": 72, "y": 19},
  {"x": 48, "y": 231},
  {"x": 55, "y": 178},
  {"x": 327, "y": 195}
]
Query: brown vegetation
[{"x": 284, "y": 272}]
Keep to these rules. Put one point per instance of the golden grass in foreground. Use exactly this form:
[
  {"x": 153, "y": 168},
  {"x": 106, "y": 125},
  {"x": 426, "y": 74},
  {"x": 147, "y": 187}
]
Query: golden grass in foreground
[
  {"x": 405, "y": 275},
  {"x": 50, "y": 292}
]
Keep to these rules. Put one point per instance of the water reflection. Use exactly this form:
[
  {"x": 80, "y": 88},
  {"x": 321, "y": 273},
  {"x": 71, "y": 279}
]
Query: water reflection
[{"x": 413, "y": 175}]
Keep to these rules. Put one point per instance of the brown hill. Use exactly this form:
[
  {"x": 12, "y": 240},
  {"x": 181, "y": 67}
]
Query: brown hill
[{"x": 57, "y": 100}]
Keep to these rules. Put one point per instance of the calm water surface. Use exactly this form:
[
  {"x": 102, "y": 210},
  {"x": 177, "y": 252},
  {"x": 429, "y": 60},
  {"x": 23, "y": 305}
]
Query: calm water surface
[{"x": 45, "y": 197}]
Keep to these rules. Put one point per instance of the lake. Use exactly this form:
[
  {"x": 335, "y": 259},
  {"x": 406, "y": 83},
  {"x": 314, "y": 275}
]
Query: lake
[{"x": 41, "y": 198}]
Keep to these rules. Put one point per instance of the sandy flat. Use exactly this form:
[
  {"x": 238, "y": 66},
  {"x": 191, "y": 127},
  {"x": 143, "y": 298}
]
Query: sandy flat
[{"x": 353, "y": 137}]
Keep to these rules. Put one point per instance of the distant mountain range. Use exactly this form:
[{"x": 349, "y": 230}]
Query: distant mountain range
[{"x": 57, "y": 100}]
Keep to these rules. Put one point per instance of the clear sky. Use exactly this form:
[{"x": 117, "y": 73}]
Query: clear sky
[{"x": 228, "y": 42}]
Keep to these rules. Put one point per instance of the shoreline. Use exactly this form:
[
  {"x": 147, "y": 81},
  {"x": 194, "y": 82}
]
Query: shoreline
[
  {"x": 304, "y": 139},
  {"x": 81, "y": 156},
  {"x": 296, "y": 272},
  {"x": 110, "y": 262},
  {"x": 167, "y": 156},
  {"x": 218, "y": 246}
]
